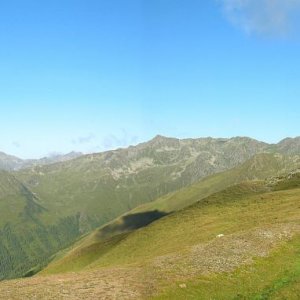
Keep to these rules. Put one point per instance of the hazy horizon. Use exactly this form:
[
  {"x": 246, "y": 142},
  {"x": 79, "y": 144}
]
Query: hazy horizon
[{"x": 55, "y": 153}]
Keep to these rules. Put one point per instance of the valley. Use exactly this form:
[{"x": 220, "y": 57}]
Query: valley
[
  {"x": 243, "y": 233},
  {"x": 149, "y": 221},
  {"x": 150, "y": 150}
]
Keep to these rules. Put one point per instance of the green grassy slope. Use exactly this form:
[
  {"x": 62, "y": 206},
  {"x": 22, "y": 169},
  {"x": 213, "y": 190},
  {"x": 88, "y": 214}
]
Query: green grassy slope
[
  {"x": 82, "y": 194},
  {"x": 72, "y": 198},
  {"x": 103, "y": 186},
  {"x": 181, "y": 256},
  {"x": 274, "y": 277},
  {"x": 258, "y": 167}
]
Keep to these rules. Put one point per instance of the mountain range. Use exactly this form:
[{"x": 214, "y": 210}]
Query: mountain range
[
  {"x": 51, "y": 208},
  {"x": 13, "y": 163}
]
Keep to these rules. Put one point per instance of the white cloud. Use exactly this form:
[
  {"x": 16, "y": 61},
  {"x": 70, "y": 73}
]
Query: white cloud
[{"x": 265, "y": 17}]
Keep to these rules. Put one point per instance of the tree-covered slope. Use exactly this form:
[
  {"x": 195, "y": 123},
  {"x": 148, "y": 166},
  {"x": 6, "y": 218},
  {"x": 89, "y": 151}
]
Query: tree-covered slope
[{"x": 25, "y": 241}]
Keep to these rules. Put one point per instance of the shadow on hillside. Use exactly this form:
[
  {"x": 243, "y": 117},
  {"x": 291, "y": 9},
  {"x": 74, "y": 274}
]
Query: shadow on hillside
[{"x": 132, "y": 222}]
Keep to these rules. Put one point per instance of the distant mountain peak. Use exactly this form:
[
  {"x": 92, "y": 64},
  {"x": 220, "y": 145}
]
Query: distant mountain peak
[
  {"x": 13, "y": 163},
  {"x": 289, "y": 139},
  {"x": 159, "y": 137}
]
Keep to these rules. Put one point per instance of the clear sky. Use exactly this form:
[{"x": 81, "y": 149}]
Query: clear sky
[{"x": 93, "y": 75}]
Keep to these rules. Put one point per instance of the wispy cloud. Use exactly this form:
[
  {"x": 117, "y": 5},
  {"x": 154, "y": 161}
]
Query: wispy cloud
[
  {"x": 113, "y": 141},
  {"x": 16, "y": 144},
  {"x": 84, "y": 139},
  {"x": 264, "y": 17},
  {"x": 92, "y": 143}
]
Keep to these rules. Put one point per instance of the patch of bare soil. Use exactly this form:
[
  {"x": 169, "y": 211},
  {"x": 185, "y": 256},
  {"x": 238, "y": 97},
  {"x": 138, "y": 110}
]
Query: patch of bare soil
[
  {"x": 103, "y": 284},
  {"x": 224, "y": 253}
]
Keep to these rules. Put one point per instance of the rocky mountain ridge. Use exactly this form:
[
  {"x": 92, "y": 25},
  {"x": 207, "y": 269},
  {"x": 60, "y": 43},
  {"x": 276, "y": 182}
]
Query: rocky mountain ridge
[
  {"x": 63, "y": 200},
  {"x": 13, "y": 163}
]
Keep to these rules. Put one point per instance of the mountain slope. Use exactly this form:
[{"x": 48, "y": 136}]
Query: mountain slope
[
  {"x": 258, "y": 167},
  {"x": 114, "y": 182},
  {"x": 289, "y": 146},
  {"x": 25, "y": 241},
  {"x": 81, "y": 194},
  {"x": 248, "y": 233},
  {"x": 17, "y": 202},
  {"x": 9, "y": 162}
]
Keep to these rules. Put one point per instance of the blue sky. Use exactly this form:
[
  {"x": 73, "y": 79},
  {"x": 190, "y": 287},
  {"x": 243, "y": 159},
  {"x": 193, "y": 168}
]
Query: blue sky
[{"x": 94, "y": 75}]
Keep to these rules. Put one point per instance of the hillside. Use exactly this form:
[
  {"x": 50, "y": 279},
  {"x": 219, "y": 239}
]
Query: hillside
[
  {"x": 81, "y": 194},
  {"x": 17, "y": 202},
  {"x": 114, "y": 182},
  {"x": 248, "y": 233},
  {"x": 259, "y": 167},
  {"x": 9, "y": 162},
  {"x": 24, "y": 240}
]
